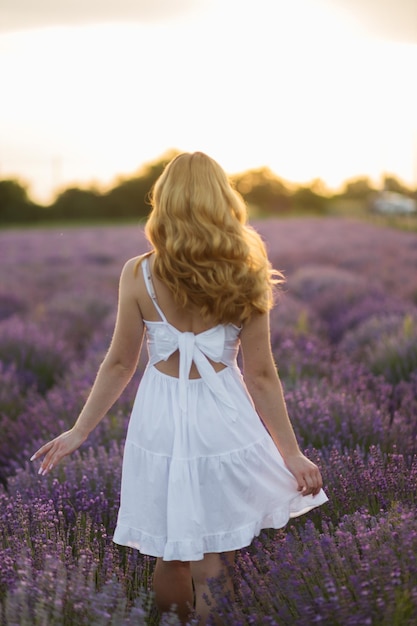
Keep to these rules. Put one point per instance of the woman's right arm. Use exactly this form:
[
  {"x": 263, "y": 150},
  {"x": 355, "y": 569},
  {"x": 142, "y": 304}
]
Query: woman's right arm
[
  {"x": 263, "y": 383},
  {"x": 114, "y": 374}
]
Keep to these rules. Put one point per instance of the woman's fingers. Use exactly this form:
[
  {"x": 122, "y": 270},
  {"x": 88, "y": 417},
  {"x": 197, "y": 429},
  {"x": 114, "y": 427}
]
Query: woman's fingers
[
  {"x": 43, "y": 450},
  {"x": 52, "y": 453},
  {"x": 47, "y": 463},
  {"x": 311, "y": 484},
  {"x": 56, "y": 449}
]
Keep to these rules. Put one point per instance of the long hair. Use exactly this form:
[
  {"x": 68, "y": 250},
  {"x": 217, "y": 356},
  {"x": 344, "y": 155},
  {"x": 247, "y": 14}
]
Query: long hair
[{"x": 206, "y": 253}]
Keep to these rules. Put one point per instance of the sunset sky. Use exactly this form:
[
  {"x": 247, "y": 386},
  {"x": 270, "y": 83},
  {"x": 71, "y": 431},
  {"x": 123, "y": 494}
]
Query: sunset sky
[{"x": 92, "y": 89}]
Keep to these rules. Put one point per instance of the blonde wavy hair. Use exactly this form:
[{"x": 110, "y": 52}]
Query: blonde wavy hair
[{"x": 206, "y": 253}]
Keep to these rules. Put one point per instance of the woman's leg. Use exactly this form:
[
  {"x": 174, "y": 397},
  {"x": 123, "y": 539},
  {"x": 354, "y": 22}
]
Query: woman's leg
[
  {"x": 172, "y": 585},
  {"x": 213, "y": 565}
]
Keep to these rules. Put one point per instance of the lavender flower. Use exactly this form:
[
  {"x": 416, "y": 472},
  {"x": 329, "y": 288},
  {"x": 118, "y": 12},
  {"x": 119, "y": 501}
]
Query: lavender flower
[{"x": 344, "y": 339}]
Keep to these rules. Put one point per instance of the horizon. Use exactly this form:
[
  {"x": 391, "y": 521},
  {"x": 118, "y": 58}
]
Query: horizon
[
  {"x": 318, "y": 90},
  {"x": 104, "y": 187}
]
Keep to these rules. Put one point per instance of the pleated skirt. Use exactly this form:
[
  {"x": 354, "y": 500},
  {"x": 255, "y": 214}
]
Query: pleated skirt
[{"x": 205, "y": 479}]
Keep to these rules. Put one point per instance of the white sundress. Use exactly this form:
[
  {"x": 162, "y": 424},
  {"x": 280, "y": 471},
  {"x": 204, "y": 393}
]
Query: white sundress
[{"x": 200, "y": 471}]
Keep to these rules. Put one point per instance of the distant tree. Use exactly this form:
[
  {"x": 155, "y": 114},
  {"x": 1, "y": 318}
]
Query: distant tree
[
  {"x": 15, "y": 204},
  {"x": 263, "y": 190},
  {"x": 127, "y": 199},
  {"x": 390, "y": 183},
  {"x": 305, "y": 199},
  {"x": 75, "y": 203},
  {"x": 358, "y": 188},
  {"x": 130, "y": 197},
  {"x": 318, "y": 186}
]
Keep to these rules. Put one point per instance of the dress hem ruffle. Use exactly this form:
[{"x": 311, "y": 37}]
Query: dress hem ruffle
[{"x": 194, "y": 550}]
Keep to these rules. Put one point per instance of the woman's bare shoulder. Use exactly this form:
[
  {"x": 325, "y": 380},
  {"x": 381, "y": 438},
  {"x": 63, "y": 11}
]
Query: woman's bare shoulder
[{"x": 135, "y": 262}]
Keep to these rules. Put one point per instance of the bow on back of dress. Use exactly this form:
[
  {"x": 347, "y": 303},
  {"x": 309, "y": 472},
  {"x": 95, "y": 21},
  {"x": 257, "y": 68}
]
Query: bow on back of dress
[
  {"x": 193, "y": 348},
  {"x": 164, "y": 339}
]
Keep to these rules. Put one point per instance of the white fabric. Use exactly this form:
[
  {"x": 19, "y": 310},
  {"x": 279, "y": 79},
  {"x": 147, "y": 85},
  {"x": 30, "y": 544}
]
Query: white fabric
[{"x": 200, "y": 471}]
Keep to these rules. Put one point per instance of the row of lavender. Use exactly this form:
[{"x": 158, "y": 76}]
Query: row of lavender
[{"x": 344, "y": 336}]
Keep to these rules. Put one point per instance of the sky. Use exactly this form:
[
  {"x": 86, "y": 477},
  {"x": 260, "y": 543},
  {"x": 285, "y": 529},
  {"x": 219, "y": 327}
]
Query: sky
[{"x": 93, "y": 89}]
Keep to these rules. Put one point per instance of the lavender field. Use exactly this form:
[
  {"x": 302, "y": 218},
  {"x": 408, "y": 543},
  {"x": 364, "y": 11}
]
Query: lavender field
[{"x": 344, "y": 336}]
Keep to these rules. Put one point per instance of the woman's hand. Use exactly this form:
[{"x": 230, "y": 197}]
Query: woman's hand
[
  {"x": 57, "y": 448},
  {"x": 306, "y": 473}
]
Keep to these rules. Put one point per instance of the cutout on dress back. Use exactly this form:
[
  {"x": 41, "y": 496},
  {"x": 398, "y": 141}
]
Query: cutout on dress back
[{"x": 170, "y": 366}]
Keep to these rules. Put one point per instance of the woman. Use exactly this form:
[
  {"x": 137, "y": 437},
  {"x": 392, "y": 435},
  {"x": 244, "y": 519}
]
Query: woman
[{"x": 210, "y": 457}]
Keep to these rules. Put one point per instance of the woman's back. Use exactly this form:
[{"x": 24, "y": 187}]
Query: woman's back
[{"x": 183, "y": 320}]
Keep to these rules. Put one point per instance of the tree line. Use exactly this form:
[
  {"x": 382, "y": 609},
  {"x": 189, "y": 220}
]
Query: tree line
[{"x": 265, "y": 193}]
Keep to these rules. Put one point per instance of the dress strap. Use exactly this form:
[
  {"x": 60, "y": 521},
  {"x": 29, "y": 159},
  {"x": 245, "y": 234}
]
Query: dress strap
[{"x": 149, "y": 286}]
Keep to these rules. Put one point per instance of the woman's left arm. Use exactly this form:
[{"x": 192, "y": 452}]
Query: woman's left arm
[{"x": 113, "y": 375}]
